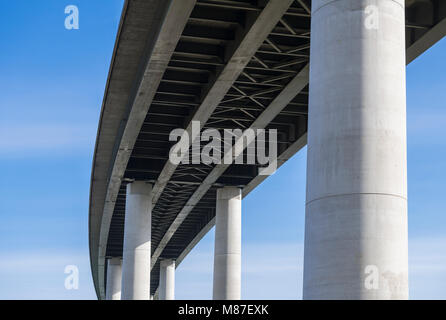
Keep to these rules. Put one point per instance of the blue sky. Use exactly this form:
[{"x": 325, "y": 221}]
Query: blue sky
[{"x": 52, "y": 82}]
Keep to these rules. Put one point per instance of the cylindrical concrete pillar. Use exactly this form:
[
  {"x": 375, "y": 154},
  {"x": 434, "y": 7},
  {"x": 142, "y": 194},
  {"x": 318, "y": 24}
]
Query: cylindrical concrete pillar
[
  {"x": 356, "y": 207},
  {"x": 113, "y": 289},
  {"x": 137, "y": 234},
  {"x": 167, "y": 280},
  {"x": 227, "y": 253}
]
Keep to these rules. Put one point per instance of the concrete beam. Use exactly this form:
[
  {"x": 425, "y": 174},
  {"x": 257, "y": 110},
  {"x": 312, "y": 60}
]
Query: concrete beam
[
  {"x": 281, "y": 101},
  {"x": 109, "y": 119},
  {"x": 431, "y": 37},
  {"x": 247, "y": 47},
  {"x": 283, "y": 157},
  {"x": 169, "y": 22}
]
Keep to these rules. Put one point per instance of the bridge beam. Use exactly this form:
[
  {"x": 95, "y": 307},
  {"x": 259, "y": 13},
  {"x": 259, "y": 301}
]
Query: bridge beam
[
  {"x": 149, "y": 32},
  {"x": 296, "y": 85},
  {"x": 245, "y": 50},
  {"x": 227, "y": 253},
  {"x": 137, "y": 235},
  {"x": 114, "y": 276},
  {"x": 356, "y": 210},
  {"x": 167, "y": 279},
  {"x": 249, "y": 42}
]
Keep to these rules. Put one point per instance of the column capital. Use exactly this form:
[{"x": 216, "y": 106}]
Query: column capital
[
  {"x": 229, "y": 193},
  {"x": 139, "y": 187},
  {"x": 166, "y": 262},
  {"x": 114, "y": 260},
  {"x": 317, "y": 4}
]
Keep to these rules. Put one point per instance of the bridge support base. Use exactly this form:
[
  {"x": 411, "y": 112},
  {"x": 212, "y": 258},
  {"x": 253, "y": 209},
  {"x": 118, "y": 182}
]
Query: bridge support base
[
  {"x": 227, "y": 254},
  {"x": 356, "y": 210},
  {"x": 137, "y": 235},
  {"x": 113, "y": 289},
  {"x": 167, "y": 280}
]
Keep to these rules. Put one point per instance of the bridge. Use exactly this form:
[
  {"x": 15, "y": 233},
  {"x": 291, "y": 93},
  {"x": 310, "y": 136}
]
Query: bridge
[{"x": 246, "y": 65}]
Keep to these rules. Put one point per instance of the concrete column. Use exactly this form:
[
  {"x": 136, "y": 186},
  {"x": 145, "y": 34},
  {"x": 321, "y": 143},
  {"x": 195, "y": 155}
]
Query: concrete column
[
  {"x": 356, "y": 207},
  {"x": 227, "y": 253},
  {"x": 113, "y": 289},
  {"x": 137, "y": 234},
  {"x": 167, "y": 280}
]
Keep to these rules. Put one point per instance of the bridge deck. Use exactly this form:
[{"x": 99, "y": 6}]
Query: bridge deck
[{"x": 228, "y": 64}]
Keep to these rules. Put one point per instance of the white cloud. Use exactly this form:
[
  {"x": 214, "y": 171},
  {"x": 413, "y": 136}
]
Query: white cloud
[
  {"x": 40, "y": 275},
  {"x": 275, "y": 271},
  {"x": 269, "y": 271},
  {"x": 32, "y": 139}
]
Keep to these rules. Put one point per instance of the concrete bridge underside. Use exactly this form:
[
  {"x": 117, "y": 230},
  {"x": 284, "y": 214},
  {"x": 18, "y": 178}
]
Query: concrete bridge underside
[{"x": 228, "y": 64}]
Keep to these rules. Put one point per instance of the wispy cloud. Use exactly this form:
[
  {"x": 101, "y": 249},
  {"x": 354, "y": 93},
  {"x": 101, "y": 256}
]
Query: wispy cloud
[
  {"x": 275, "y": 271},
  {"x": 38, "y": 139},
  {"x": 269, "y": 271},
  {"x": 40, "y": 275},
  {"x": 427, "y": 268},
  {"x": 426, "y": 123}
]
